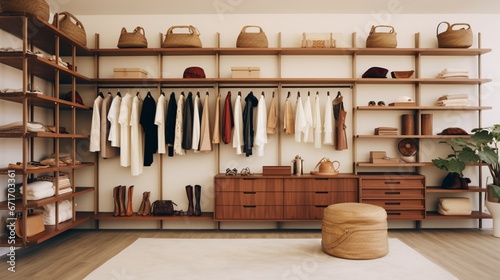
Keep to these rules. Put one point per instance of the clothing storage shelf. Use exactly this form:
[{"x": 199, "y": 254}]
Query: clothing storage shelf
[
  {"x": 418, "y": 92},
  {"x": 51, "y": 231},
  {"x": 35, "y": 70},
  {"x": 41, "y": 202}
]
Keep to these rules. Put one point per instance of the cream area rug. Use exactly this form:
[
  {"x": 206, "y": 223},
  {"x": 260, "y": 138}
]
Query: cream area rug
[{"x": 259, "y": 259}]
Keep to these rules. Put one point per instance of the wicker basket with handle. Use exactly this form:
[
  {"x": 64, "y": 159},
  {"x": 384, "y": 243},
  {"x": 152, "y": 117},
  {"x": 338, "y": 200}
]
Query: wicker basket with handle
[
  {"x": 381, "y": 39},
  {"x": 39, "y": 8},
  {"x": 134, "y": 39},
  {"x": 251, "y": 39},
  {"x": 182, "y": 40},
  {"x": 75, "y": 30},
  {"x": 454, "y": 38}
]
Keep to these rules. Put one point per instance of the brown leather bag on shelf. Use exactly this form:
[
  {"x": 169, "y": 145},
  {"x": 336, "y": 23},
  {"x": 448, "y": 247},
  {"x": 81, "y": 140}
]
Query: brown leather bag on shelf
[
  {"x": 163, "y": 208},
  {"x": 34, "y": 225}
]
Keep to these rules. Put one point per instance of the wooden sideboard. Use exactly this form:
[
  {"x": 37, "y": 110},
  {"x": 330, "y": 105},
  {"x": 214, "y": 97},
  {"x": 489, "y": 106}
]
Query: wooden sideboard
[{"x": 280, "y": 198}]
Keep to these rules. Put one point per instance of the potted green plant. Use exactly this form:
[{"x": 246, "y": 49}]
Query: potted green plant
[{"x": 480, "y": 148}]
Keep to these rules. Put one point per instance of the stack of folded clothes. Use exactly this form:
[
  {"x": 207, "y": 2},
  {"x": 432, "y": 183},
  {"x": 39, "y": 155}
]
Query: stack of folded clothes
[
  {"x": 64, "y": 159},
  {"x": 38, "y": 190},
  {"x": 386, "y": 131},
  {"x": 64, "y": 184},
  {"x": 453, "y": 73},
  {"x": 458, "y": 99},
  {"x": 17, "y": 127},
  {"x": 64, "y": 208}
]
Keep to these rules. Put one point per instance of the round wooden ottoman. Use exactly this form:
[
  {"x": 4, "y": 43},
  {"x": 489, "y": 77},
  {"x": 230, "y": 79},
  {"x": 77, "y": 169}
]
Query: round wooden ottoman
[{"x": 355, "y": 231}]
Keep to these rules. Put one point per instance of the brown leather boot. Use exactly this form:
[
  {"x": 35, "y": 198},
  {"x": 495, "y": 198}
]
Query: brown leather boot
[
  {"x": 197, "y": 195},
  {"x": 147, "y": 205},
  {"x": 116, "y": 199},
  {"x": 121, "y": 195},
  {"x": 129, "y": 201},
  {"x": 189, "y": 193},
  {"x": 141, "y": 208}
]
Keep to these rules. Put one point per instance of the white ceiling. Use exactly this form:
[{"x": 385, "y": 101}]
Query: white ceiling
[{"x": 144, "y": 7}]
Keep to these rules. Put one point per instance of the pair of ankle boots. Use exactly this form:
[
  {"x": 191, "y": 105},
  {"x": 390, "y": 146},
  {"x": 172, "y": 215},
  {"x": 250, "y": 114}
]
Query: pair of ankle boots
[
  {"x": 193, "y": 209},
  {"x": 123, "y": 208}
]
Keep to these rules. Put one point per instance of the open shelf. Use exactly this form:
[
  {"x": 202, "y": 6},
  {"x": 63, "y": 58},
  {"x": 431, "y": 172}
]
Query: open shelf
[
  {"x": 205, "y": 216},
  {"x": 41, "y": 202},
  {"x": 50, "y": 231}
]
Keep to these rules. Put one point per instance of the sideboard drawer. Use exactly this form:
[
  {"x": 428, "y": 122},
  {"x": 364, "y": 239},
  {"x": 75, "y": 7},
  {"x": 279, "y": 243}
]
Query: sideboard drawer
[
  {"x": 248, "y": 184},
  {"x": 319, "y": 197},
  {"x": 392, "y": 193},
  {"x": 389, "y": 204},
  {"x": 249, "y": 198},
  {"x": 249, "y": 212},
  {"x": 321, "y": 184},
  {"x": 304, "y": 212}
]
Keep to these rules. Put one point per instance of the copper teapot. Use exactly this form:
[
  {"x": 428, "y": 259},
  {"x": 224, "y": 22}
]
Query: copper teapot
[{"x": 327, "y": 167}]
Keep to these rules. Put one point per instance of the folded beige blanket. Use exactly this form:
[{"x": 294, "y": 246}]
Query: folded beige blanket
[{"x": 454, "y": 206}]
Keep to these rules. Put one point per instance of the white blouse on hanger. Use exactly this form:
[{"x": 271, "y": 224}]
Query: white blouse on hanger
[
  {"x": 124, "y": 121},
  {"x": 136, "y": 141},
  {"x": 238, "y": 125},
  {"x": 95, "y": 128},
  {"x": 160, "y": 117},
  {"x": 260, "y": 139},
  {"x": 113, "y": 114}
]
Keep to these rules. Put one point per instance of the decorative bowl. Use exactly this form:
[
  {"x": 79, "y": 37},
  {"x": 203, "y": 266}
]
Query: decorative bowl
[{"x": 402, "y": 74}]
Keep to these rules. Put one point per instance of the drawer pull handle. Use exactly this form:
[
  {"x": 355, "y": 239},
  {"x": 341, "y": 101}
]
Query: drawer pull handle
[
  {"x": 249, "y": 192},
  {"x": 321, "y": 192},
  {"x": 321, "y": 206},
  {"x": 393, "y": 203},
  {"x": 392, "y": 183},
  {"x": 394, "y": 213},
  {"x": 249, "y": 206},
  {"x": 392, "y": 192}
]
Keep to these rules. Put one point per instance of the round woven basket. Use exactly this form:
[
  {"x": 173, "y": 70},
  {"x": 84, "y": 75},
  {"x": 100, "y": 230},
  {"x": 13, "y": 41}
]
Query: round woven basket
[
  {"x": 135, "y": 39},
  {"x": 381, "y": 39},
  {"x": 39, "y": 8},
  {"x": 355, "y": 231},
  {"x": 251, "y": 39},
  {"x": 74, "y": 30},
  {"x": 454, "y": 38}
]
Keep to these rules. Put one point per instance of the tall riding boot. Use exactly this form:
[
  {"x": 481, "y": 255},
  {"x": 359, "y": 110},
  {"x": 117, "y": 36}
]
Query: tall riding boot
[
  {"x": 116, "y": 199},
  {"x": 121, "y": 195},
  {"x": 130, "y": 211},
  {"x": 141, "y": 208},
  {"x": 197, "y": 195},
  {"x": 189, "y": 192},
  {"x": 147, "y": 205}
]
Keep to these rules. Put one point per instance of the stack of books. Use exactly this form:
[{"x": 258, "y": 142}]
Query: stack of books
[
  {"x": 458, "y": 99},
  {"x": 386, "y": 131}
]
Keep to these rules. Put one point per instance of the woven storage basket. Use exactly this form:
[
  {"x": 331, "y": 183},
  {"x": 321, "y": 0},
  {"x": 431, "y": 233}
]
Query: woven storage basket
[
  {"x": 355, "y": 231},
  {"x": 134, "y": 39},
  {"x": 454, "y": 38},
  {"x": 74, "y": 29},
  {"x": 39, "y": 8},
  {"x": 381, "y": 39},
  {"x": 251, "y": 39},
  {"x": 182, "y": 40}
]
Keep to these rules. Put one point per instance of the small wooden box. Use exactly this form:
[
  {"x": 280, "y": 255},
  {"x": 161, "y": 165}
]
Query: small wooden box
[
  {"x": 130, "y": 73},
  {"x": 377, "y": 154},
  {"x": 245, "y": 72},
  {"x": 276, "y": 170}
]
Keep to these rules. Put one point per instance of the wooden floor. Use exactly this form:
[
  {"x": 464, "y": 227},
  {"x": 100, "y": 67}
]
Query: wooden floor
[{"x": 468, "y": 254}]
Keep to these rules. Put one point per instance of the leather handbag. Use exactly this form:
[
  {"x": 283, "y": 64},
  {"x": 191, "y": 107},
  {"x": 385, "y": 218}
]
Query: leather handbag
[
  {"x": 194, "y": 72},
  {"x": 182, "y": 40},
  {"x": 381, "y": 39},
  {"x": 251, "y": 39},
  {"x": 70, "y": 25},
  {"x": 134, "y": 39},
  {"x": 454, "y": 38},
  {"x": 34, "y": 225},
  {"x": 375, "y": 72},
  {"x": 163, "y": 208}
]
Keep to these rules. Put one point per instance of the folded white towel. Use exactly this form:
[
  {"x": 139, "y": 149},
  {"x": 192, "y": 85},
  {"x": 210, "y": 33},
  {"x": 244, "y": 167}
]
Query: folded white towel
[
  {"x": 38, "y": 186},
  {"x": 36, "y": 195},
  {"x": 454, "y": 70},
  {"x": 65, "y": 212}
]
